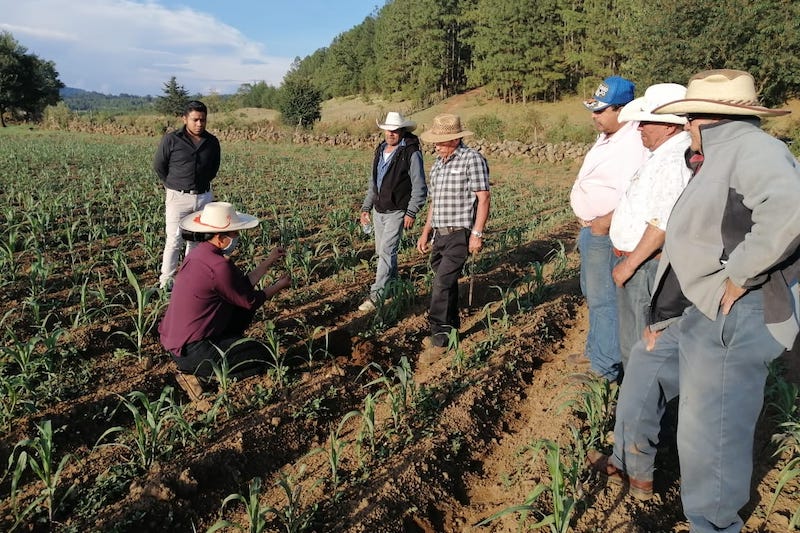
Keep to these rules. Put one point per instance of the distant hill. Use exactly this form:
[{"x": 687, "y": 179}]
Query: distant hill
[{"x": 84, "y": 101}]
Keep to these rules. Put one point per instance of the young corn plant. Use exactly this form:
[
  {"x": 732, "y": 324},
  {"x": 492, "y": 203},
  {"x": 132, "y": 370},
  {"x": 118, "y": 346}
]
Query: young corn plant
[
  {"x": 158, "y": 427},
  {"x": 225, "y": 374},
  {"x": 366, "y": 438},
  {"x": 595, "y": 402},
  {"x": 148, "y": 304},
  {"x": 335, "y": 449},
  {"x": 279, "y": 370},
  {"x": 563, "y": 478},
  {"x": 782, "y": 399},
  {"x": 17, "y": 466},
  {"x": 400, "y": 390},
  {"x": 293, "y": 517},
  {"x": 42, "y": 461}
]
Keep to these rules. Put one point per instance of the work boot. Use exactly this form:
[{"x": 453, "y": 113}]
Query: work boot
[
  {"x": 639, "y": 489},
  {"x": 430, "y": 352},
  {"x": 190, "y": 385}
]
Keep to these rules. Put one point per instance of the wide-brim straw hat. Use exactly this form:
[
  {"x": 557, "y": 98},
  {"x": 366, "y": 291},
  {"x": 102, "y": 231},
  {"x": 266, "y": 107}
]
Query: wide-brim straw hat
[
  {"x": 395, "y": 121},
  {"x": 218, "y": 217},
  {"x": 445, "y": 127},
  {"x": 641, "y": 109},
  {"x": 720, "y": 92}
]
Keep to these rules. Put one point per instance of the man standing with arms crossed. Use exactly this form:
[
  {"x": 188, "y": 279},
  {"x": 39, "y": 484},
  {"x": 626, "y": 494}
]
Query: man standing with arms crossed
[
  {"x": 602, "y": 180},
  {"x": 186, "y": 161},
  {"x": 396, "y": 192},
  {"x": 456, "y": 220}
]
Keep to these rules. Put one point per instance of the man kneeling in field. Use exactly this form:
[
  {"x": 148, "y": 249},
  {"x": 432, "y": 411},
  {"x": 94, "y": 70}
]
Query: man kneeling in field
[{"x": 213, "y": 302}]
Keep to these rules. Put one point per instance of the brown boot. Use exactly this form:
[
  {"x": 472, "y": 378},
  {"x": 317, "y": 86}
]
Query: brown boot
[
  {"x": 430, "y": 352},
  {"x": 639, "y": 489},
  {"x": 190, "y": 385}
]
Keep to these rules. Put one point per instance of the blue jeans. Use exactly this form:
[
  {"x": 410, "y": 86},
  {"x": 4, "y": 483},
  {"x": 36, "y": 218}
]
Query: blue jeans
[
  {"x": 602, "y": 341},
  {"x": 651, "y": 380},
  {"x": 723, "y": 369},
  {"x": 633, "y": 301},
  {"x": 388, "y": 230}
]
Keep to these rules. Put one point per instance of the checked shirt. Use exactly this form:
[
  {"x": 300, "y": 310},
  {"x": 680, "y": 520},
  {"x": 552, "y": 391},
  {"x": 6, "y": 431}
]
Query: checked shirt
[{"x": 453, "y": 186}]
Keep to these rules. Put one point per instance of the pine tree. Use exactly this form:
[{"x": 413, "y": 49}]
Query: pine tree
[{"x": 174, "y": 100}]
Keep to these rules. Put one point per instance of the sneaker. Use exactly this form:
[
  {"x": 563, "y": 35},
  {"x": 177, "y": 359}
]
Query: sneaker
[
  {"x": 600, "y": 463},
  {"x": 367, "y": 305}
]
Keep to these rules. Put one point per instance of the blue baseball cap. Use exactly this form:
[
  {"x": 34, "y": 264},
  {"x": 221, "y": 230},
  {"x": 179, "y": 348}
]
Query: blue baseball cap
[{"x": 615, "y": 90}]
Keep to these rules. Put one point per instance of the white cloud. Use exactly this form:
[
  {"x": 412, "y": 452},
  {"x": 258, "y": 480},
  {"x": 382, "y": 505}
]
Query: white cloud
[{"x": 135, "y": 47}]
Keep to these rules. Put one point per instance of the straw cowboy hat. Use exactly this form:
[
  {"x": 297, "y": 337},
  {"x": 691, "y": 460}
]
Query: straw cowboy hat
[
  {"x": 641, "y": 109},
  {"x": 445, "y": 127},
  {"x": 395, "y": 121},
  {"x": 217, "y": 217},
  {"x": 720, "y": 92}
]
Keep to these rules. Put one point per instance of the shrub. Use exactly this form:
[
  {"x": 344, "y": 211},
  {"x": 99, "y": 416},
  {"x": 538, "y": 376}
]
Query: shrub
[
  {"x": 489, "y": 127},
  {"x": 565, "y": 131},
  {"x": 527, "y": 128},
  {"x": 300, "y": 103}
]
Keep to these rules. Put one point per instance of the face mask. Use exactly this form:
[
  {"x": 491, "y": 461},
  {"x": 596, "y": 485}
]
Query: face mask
[{"x": 228, "y": 250}]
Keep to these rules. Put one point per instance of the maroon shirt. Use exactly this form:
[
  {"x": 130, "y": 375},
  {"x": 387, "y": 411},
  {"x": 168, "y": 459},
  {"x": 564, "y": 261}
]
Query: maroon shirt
[{"x": 208, "y": 287}]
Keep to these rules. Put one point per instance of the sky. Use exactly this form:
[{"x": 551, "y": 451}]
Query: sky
[{"x": 136, "y": 46}]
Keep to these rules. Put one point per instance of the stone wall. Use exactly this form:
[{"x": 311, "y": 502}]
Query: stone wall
[{"x": 538, "y": 153}]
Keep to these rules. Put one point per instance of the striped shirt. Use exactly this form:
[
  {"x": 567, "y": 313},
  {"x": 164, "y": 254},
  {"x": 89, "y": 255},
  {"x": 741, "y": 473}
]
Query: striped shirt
[{"x": 454, "y": 183}]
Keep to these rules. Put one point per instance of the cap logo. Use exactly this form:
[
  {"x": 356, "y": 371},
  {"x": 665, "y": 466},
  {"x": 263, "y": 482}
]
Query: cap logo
[{"x": 602, "y": 90}]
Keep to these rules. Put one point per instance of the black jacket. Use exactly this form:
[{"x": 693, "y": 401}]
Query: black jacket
[{"x": 183, "y": 166}]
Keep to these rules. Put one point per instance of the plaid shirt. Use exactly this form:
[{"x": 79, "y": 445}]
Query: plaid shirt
[{"x": 453, "y": 186}]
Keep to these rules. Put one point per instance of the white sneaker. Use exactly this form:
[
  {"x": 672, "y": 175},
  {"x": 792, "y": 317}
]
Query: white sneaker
[{"x": 367, "y": 305}]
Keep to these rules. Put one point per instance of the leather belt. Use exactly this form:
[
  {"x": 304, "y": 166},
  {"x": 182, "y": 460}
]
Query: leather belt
[
  {"x": 193, "y": 191},
  {"x": 447, "y": 230},
  {"x": 622, "y": 253}
]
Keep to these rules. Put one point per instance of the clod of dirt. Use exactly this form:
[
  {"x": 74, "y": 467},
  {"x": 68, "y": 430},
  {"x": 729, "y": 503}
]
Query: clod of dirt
[
  {"x": 364, "y": 351},
  {"x": 151, "y": 489}
]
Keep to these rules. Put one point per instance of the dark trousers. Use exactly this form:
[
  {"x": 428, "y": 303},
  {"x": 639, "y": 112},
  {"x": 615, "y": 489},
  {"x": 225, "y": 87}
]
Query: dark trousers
[
  {"x": 448, "y": 256},
  {"x": 245, "y": 357}
]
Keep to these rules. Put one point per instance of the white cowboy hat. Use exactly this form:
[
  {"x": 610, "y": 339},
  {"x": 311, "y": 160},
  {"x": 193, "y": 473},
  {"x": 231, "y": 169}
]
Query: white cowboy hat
[
  {"x": 641, "y": 109},
  {"x": 395, "y": 121},
  {"x": 720, "y": 92},
  {"x": 217, "y": 217},
  {"x": 445, "y": 127}
]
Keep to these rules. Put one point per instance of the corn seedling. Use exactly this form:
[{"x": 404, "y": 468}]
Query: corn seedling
[
  {"x": 279, "y": 370},
  {"x": 158, "y": 427},
  {"x": 788, "y": 442},
  {"x": 148, "y": 304},
  {"x": 400, "y": 389},
  {"x": 595, "y": 401},
  {"x": 17, "y": 466},
  {"x": 293, "y": 517},
  {"x": 41, "y": 460},
  {"x": 782, "y": 396},
  {"x": 558, "y": 257},
  {"x": 335, "y": 449},
  {"x": 563, "y": 502}
]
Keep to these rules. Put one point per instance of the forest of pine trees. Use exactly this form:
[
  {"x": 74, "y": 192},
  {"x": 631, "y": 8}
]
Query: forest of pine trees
[{"x": 543, "y": 49}]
